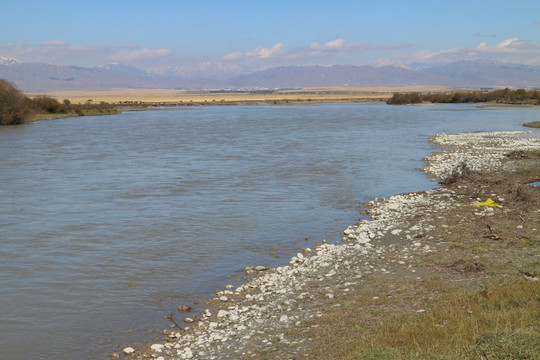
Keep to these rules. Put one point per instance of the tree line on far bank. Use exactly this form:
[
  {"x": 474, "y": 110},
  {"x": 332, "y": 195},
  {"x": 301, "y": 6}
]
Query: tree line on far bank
[
  {"x": 505, "y": 96},
  {"x": 16, "y": 108}
]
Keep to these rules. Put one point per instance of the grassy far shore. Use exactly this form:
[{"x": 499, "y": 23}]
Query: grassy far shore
[{"x": 17, "y": 108}]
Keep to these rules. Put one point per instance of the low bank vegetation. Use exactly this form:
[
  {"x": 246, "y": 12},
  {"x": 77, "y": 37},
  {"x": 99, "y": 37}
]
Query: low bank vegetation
[
  {"x": 16, "y": 108},
  {"x": 499, "y": 322},
  {"x": 505, "y": 96}
]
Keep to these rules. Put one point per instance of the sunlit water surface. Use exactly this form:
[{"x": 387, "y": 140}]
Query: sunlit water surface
[{"x": 108, "y": 223}]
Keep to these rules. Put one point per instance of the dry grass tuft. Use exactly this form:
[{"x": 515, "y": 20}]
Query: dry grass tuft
[{"x": 498, "y": 317}]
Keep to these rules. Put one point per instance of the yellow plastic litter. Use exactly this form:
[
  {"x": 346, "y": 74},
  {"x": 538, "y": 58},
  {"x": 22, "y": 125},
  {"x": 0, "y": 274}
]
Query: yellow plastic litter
[{"x": 488, "y": 202}]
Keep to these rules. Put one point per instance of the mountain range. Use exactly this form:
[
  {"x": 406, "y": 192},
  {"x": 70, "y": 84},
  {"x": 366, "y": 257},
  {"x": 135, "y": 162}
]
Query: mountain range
[{"x": 40, "y": 77}]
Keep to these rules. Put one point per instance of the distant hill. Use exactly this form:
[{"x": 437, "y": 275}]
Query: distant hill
[
  {"x": 338, "y": 75},
  {"x": 458, "y": 74},
  {"x": 39, "y": 77},
  {"x": 481, "y": 73}
]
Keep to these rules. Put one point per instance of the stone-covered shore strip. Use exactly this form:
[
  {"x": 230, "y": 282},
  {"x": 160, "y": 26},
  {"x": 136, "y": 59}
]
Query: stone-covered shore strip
[{"x": 258, "y": 313}]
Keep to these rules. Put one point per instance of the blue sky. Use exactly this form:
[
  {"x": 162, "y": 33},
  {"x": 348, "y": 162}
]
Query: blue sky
[{"x": 228, "y": 37}]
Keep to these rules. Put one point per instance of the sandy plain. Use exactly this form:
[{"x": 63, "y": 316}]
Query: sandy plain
[{"x": 215, "y": 97}]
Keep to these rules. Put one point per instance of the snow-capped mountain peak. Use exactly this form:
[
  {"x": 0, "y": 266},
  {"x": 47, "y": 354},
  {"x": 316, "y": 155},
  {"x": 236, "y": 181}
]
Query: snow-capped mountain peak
[{"x": 8, "y": 61}]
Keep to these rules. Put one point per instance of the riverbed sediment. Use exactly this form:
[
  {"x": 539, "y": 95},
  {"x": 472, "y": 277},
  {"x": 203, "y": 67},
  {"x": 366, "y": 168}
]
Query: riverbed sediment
[{"x": 274, "y": 313}]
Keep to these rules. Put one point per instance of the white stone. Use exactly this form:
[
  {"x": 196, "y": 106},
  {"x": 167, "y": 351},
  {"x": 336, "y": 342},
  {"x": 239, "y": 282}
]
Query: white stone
[
  {"x": 129, "y": 350},
  {"x": 331, "y": 273},
  {"x": 283, "y": 318},
  {"x": 223, "y": 298},
  {"x": 222, "y": 313},
  {"x": 212, "y": 325},
  {"x": 157, "y": 347}
]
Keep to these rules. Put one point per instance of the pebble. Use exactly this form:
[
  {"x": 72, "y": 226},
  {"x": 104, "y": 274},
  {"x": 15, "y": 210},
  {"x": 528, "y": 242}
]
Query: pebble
[
  {"x": 157, "y": 347},
  {"x": 129, "y": 350}
]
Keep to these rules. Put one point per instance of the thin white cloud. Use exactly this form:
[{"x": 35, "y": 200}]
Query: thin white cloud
[
  {"x": 258, "y": 53},
  {"x": 63, "y": 53},
  {"x": 338, "y": 45},
  {"x": 55, "y": 43},
  {"x": 277, "y": 54},
  {"x": 485, "y": 35},
  {"x": 138, "y": 55},
  {"x": 397, "y": 46},
  {"x": 55, "y": 52},
  {"x": 265, "y": 53},
  {"x": 511, "y": 50},
  {"x": 130, "y": 46},
  {"x": 515, "y": 45}
]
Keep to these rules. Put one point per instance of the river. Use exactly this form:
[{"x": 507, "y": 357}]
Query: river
[{"x": 108, "y": 223}]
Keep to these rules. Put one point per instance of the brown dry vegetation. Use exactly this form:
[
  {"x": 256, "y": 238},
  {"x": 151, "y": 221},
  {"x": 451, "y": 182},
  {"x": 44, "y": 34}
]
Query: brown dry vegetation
[
  {"x": 506, "y": 96},
  {"x": 13, "y": 104}
]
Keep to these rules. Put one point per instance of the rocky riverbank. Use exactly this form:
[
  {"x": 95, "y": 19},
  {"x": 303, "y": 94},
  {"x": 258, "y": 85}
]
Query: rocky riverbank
[{"x": 284, "y": 312}]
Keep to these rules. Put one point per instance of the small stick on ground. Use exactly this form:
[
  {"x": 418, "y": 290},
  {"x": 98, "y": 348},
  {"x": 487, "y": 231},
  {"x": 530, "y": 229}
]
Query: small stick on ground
[{"x": 170, "y": 317}]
